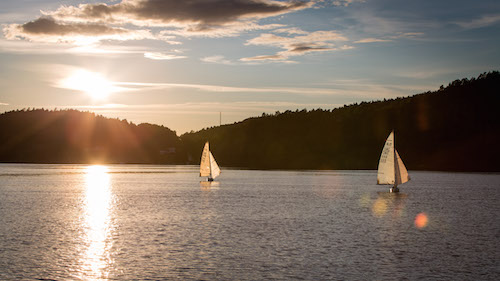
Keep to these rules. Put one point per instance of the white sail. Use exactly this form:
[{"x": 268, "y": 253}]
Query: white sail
[
  {"x": 205, "y": 161},
  {"x": 386, "y": 171},
  {"x": 208, "y": 165},
  {"x": 214, "y": 168},
  {"x": 391, "y": 169},
  {"x": 403, "y": 173}
]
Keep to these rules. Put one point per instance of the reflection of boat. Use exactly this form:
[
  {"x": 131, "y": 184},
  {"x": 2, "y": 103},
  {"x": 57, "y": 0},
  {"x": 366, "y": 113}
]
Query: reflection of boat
[
  {"x": 209, "y": 185},
  {"x": 391, "y": 196},
  {"x": 208, "y": 166},
  {"x": 391, "y": 169}
]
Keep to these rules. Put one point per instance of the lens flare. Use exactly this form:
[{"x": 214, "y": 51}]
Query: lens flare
[{"x": 421, "y": 220}]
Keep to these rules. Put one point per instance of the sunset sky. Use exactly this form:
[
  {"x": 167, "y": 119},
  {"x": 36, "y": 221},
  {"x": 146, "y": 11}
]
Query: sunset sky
[{"x": 180, "y": 63}]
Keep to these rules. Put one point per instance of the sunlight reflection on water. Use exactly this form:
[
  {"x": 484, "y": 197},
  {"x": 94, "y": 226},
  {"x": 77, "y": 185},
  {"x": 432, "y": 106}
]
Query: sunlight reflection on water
[
  {"x": 209, "y": 185},
  {"x": 98, "y": 199},
  {"x": 387, "y": 204}
]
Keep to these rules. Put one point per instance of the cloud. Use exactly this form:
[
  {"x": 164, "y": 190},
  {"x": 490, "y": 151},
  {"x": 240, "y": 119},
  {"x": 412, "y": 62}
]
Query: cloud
[
  {"x": 139, "y": 86},
  {"x": 47, "y": 29},
  {"x": 372, "y": 40},
  {"x": 174, "y": 12},
  {"x": 162, "y": 56},
  {"x": 2, "y": 103},
  {"x": 484, "y": 21},
  {"x": 216, "y": 59},
  {"x": 227, "y": 30},
  {"x": 397, "y": 35},
  {"x": 407, "y": 35},
  {"x": 151, "y": 19},
  {"x": 97, "y": 49},
  {"x": 343, "y": 3},
  {"x": 317, "y": 41},
  {"x": 290, "y": 30},
  {"x": 214, "y": 18}
]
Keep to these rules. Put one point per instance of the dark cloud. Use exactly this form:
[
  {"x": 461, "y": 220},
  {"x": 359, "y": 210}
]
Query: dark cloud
[
  {"x": 48, "y": 26},
  {"x": 203, "y": 12},
  {"x": 47, "y": 29},
  {"x": 304, "y": 48}
]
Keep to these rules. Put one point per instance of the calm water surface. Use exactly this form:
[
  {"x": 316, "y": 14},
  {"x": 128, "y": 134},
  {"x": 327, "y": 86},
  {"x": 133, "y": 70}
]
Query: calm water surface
[{"x": 125, "y": 222}]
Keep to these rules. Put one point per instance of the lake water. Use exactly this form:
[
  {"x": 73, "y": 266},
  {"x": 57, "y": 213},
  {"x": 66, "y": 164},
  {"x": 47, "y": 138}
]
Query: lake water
[{"x": 128, "y": 222}]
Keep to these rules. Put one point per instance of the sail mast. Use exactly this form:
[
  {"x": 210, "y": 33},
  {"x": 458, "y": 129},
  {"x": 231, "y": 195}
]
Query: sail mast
[
  {"x": 397, "y": 174},
  {"x": 210, "y": 164}
]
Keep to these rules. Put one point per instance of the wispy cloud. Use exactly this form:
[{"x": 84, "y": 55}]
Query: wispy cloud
[
  {"x": 304, "y": 42},
  {"x": 232, "y": 89},
  {"x": 390, "y": 38},
  {"x": 2, "y": 103},
  {"x": 18, "y": 46},
  {"x": 227, "y": 30},
  {"x": 61, "y": 75},
  {"x": 162, "y": 56},
  {"x": 483, "y": 21},
  {"x": 218, "y": 59},
  {"x": 352, "y": 89},
  {"x": 372, "y": 40},
  {"x": 345, "y": 3},
  {"x": 290, "y": 30}
]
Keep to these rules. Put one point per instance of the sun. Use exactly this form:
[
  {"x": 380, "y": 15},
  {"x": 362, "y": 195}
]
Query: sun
[{"x": 93, "y": 84}]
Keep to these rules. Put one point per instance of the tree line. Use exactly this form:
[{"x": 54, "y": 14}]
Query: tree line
[{"x": 71, "y": 136}]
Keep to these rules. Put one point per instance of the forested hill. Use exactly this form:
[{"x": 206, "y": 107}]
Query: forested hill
[
  {"x": 456, "y": 128},
  {"x": 70, "y": 136}
]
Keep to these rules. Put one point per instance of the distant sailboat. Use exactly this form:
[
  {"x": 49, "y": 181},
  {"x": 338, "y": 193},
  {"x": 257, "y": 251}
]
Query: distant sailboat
[
  {"x": 208, "y": 166},
  {"x": 391, "y": 169}
]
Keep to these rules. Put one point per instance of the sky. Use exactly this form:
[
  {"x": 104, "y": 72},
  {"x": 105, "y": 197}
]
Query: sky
[{"x": 189, "y": 65}]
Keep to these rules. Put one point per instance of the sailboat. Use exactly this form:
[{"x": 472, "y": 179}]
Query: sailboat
[
  {"x": 391, "y": 169},
  {"x": 208, "y": 166}
]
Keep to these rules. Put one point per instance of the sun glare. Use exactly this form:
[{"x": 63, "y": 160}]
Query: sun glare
[
  {"x": 98, "y": 225},
  {"x": 93, "y": 84}
]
